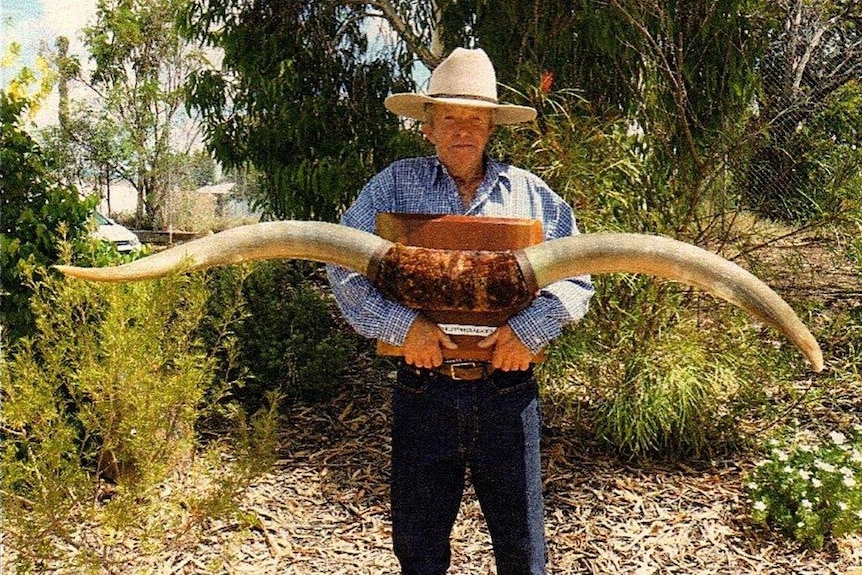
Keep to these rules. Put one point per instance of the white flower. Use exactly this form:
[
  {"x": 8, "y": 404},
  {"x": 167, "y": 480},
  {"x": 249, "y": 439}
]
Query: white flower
[
  {"x": 824, "y": 466},
  {"x": 842, "y": 506},
  {"x": 805, "y": 448},
  {"x": 837, "y": 438},
  {"x": 856, "y": 456},
  {"x": 805, "y": 504},
  {"x": 845, "y": 471},
  {"x": 787, "y": 469},
  {"x": 780, "y": 455},
  {"x": 849, "y": 481},
  {"x": 816, "y": 482},
  {"x": 761, "y": 506},
  {"x": 753, "y": 486},
  {"x": 801, "y": 524},
  {"x": 804, "y": 474}
]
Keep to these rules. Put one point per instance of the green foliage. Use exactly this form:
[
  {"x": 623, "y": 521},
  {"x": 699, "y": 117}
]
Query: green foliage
[
  {"x": 661, "y": 377},
  {"x": 833, "y": 155},
  {"x": 807, "y": 120},
  {"x": 99, "y": 416},
  {"x": 808, "y": 485},
  {"x": 678, "y": 69},
  {"x": 37, "y": 213},
  {"x": 594, "y": 163},
  {"x": 810, "y": 492},
  {"x": 299, "y": 97},
  {"x": 291, "y": 337},
  {"x": 89, "y": 146},
  {"x": 141, "y": 63}
]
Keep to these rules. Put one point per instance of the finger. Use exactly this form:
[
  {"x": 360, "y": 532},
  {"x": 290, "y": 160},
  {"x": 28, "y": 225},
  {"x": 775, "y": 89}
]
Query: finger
[
  {"x": 436, "y": 359},
  {"x": 488, "y": 341},
  {"x": 447, "y": 342},
  {"x": 497, "y": 360}
]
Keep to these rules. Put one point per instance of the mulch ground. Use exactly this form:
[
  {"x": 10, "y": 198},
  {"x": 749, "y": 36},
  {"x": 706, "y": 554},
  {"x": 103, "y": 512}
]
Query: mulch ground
[{"x": 324, "y": 509}]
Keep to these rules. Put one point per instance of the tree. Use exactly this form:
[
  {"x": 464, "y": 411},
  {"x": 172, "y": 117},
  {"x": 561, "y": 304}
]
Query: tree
[
  {"x": 298, "y": 97},
  {"x": 141, "y": 65},
  {"x": 813, "y": 62},
  {"x": 37, "y": 213}
]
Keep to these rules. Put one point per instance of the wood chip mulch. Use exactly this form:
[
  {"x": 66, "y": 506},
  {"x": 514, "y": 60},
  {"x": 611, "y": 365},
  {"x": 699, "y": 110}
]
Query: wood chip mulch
[{"x": 324, "y": 509}]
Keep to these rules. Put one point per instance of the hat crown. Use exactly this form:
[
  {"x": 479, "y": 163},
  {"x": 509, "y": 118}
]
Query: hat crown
[
  {"x": 465, "y": 74},
  {"x": 466, "y": 78}
]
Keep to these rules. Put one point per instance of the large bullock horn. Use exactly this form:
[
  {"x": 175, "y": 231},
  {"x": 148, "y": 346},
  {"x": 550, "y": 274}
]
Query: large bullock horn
[
  {"x": 675, "y": 260},
  {"x": 315, "y": 241},
  {"x": 486, "y": 280}
]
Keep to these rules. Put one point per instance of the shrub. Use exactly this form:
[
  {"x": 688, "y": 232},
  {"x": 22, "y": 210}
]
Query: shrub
[
  {"x": 810, "y": 491},
  {"x": 291, "y": 337},
  {"x": 99, "y": 415},
  {"x": 37, "y": 212},
  {"x": 654, "y": 367},
  {"x": 650, "y": 375}
]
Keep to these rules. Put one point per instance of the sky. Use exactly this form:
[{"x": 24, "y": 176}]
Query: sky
[
  {"x": 37, "y": 23},
  {"x": 33, "y": 23}
]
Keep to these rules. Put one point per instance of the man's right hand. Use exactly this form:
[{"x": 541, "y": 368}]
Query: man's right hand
[{"x": 423, "y": 346}]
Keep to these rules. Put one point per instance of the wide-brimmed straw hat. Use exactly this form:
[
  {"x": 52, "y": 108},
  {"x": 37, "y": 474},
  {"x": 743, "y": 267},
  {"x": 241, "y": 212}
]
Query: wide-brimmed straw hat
[{"x": 465, "y": 78}]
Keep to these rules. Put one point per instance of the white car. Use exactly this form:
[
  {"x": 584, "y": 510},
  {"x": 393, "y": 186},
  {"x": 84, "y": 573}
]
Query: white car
[{"x": 111, "y": 231}]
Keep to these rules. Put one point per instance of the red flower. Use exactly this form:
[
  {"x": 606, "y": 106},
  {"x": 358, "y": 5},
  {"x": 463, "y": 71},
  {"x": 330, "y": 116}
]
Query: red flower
[{"x": 546, "y": 81}]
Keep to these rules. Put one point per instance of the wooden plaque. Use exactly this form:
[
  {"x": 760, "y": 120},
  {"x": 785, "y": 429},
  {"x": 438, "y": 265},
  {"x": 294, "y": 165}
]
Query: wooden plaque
[{"x": 455, "y": 232}]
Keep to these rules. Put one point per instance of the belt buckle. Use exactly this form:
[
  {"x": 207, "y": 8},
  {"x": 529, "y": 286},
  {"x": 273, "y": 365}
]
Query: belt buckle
[{"x": 451, "y": 367}]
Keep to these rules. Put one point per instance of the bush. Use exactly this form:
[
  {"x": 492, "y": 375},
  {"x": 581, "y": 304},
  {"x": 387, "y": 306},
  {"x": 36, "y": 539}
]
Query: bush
[
  {"x": 37, "y": 213},
  {"x": 651, "y": 375},
  {"x": 654, "y": 367},
  {"x": 292, "y": 337},
  {"x": 810, "y": 491},
  {"x": 808, "y": 171},
  {"x": 99, "y": 416}
]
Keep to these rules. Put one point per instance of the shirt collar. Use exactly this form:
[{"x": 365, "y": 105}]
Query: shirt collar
[{"x": 493, "y": 170}]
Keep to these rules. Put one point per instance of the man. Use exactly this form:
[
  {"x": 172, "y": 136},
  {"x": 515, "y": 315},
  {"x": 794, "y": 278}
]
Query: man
[{"x": 486, "y": 421}]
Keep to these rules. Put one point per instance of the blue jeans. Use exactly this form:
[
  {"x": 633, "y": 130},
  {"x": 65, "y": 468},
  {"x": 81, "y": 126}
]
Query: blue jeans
[{"x": 442, "y": 427}]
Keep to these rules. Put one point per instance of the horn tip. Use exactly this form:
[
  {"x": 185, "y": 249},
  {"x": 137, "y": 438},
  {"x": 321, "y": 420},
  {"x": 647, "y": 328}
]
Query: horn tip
[
  {"x": 816, "y": 361},
  {"x": 65, "y": 270}
]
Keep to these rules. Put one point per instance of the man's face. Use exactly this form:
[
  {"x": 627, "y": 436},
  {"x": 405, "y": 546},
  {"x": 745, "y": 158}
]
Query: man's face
[{"x": 459, "y": 134}]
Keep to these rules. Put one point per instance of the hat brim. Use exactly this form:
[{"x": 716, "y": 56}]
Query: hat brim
[{"x": 413, "y": 106}]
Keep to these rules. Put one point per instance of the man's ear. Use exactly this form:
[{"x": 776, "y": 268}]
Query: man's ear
[{"x": 428, "y": 132}]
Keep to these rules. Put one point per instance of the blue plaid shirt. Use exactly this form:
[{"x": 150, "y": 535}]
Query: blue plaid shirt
[{"x": 423, "y": 185}]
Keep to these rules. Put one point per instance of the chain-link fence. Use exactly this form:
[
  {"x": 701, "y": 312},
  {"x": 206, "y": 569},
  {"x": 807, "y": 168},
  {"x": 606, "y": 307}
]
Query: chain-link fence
[{"x": 803, "y": 152}]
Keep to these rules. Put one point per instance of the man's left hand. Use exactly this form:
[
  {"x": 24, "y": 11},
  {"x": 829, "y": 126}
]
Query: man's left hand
[{"x": 509, "y": 353}]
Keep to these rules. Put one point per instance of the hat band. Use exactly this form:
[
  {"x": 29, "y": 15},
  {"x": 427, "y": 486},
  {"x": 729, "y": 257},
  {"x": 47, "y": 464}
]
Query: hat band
[{"x": 464, "y": 97}]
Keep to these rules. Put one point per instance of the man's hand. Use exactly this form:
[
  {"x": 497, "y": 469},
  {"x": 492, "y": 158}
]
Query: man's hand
[
  {"x": 509, "y": 353},
  {"x": 422, "y": 346}
]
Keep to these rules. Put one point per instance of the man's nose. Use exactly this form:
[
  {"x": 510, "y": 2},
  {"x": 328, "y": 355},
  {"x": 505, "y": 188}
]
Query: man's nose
[{"x": 463, "y": 128}]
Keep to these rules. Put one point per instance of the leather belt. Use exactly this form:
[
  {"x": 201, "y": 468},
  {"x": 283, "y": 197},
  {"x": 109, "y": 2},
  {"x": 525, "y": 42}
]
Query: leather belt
[{"x": 464, "y": 370}]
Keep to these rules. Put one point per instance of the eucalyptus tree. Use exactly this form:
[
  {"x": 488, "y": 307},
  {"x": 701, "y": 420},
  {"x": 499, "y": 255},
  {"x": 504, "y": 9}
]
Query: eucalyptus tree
[
  {"x": 808, "y": 116},
  {"x": 141, "y": 64},
  {"x": 297, "y": 95}
]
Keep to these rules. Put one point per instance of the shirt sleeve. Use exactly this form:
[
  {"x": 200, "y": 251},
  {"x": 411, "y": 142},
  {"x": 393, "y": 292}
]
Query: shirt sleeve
[
  {"x": 559, "y": 303},
  {"x": 365, "y": 308}
]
